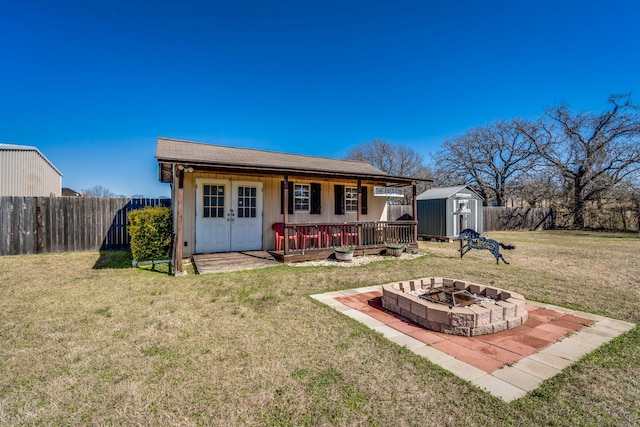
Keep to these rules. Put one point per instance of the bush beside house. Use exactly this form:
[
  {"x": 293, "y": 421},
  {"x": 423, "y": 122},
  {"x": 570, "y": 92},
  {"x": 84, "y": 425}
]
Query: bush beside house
[{"x": 151, "y": 230}]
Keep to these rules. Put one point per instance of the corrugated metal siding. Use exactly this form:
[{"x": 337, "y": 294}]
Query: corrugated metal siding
[
  {"x": 432, "y": 217},
  {"x": 27, "y": 173}
]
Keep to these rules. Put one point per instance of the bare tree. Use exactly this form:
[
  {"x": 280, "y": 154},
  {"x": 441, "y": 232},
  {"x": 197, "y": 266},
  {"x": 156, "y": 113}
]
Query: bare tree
[
  {"x": 490, "y": 158},
  {"x": 394, "y": 159},
  {"x": 97, "y": 191},
  {"x": 540, "y": 189},
  {"x": 618, "y": 209},
  {"x": 591, "y": 152}
]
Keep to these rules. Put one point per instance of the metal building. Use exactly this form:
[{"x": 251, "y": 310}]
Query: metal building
[
  {"x": 443, "y": 212},
  {"x": 25, "y": 171}
]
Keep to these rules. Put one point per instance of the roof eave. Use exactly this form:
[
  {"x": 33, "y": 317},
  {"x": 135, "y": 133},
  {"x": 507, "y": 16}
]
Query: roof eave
[{"x": 211, "y": 167}]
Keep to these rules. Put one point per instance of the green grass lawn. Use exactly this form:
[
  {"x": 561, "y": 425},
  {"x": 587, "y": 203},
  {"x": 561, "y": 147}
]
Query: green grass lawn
[{"x": 85, "y": 339}]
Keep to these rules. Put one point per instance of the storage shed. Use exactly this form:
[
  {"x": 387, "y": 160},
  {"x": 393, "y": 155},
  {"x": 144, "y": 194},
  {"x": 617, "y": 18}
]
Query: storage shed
[
  {"x": 443, "y": 212},
  {"x": 25, "y": 171}
]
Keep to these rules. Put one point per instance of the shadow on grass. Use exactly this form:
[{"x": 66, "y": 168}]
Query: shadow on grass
[
  {"x": 156, "y": 268},
  {"x": 113, "y": 259}
]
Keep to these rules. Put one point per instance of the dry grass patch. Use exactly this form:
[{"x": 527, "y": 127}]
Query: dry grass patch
[{"x": 82, "y": 343}]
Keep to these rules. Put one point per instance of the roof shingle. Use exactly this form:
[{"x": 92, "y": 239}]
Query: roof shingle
[{"x": 195, "y": 153}]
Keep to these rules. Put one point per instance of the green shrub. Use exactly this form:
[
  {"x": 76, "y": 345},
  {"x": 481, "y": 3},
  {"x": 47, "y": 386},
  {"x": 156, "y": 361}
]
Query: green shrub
[{"x": 151, "y": 231}]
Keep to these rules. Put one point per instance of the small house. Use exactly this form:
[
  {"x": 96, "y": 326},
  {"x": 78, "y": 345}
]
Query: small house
[
  {"x": 228, "y": 199},
  {"x": 445, "y": 211}
]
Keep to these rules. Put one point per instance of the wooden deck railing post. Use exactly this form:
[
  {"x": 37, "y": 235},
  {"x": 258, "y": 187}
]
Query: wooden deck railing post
[
  {"x": 330, "y": 235},
  {"x": 415, "y": 212},
  {"x": 285, "y": 213},
  {"x": 359, "y": 213}
]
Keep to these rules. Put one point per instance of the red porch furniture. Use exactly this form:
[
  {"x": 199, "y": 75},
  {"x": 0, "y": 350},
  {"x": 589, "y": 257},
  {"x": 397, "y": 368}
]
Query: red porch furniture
[
  {"x": 278, "y": 227},
  {"x": 330, "y": 234},
  {"x": 310, "y": 234},
  {"x": 349, "y": 235}
]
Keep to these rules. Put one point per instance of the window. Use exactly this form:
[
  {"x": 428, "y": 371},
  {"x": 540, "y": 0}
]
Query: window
[
  {"x": 246, "y": 202},
  {"x": 213, "y": 201},
  {"x": 346, "y": 199},
  {"x": 301, "y": 197},
  {"x": 351, "y": 199},
  {"x": 298, "y": 192}
]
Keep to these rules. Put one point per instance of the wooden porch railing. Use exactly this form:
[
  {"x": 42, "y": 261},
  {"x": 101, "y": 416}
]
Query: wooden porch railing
[{"x": 306, "y": 236}]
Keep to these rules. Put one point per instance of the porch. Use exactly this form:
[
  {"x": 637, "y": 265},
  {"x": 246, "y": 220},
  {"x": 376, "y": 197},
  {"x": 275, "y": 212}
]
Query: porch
[
  {"x": 225, "y": 262},
  {"x": 226, "y": 198},
  {"x": 312, "y": 241}
]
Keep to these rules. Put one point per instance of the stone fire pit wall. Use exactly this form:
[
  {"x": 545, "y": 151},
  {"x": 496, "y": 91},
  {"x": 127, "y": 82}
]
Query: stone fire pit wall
[{"x": 506, "y": 311}]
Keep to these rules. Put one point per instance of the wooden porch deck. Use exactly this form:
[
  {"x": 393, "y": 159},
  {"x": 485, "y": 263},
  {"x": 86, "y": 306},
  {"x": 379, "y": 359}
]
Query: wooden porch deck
[
  {"x": 232, "y": 261},
  {"x": 225, "y": 262},
  {"x": 313, "y": 241}
]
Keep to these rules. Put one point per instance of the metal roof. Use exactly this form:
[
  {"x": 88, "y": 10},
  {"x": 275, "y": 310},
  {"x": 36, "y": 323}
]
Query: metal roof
[
  {"x": 445, "y": 192},
  {"x": 12, "y": 147}
]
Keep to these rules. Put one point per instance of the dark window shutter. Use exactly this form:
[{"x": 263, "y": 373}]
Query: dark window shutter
[
  {"x": 338, "y": 191},
  {"x": 282, "y": 197},
  {"x": 315, "y": 199},
  {"x": 363, "y": 208}
]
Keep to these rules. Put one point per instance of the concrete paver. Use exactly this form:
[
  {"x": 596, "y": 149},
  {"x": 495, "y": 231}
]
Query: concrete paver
[
  {"x": 387, "y": 331},
  {"x": 518, "y": 378},
  {"x": 406, "y": 341},
  {"x": 556, "y": 347},
  {"x": 499, "y": 388},
  {"x": 536, "y": 368},
  {"x": 551, "y": 360},
  {"x": 434, "y": 355},
  {"x": 462, "y": 370}
]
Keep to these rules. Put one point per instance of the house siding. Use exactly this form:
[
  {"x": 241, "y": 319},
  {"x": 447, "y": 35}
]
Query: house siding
[{"x": 376, "y": 206}]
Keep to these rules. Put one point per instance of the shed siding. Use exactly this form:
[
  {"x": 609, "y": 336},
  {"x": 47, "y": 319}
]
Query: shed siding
[
  {"x": 436, "y": 209},
  {"x": 26, "y": 173},
  {"x": 432, "y": 217}
]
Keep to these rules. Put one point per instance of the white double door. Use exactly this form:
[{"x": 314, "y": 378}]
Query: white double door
[{"x": 228, "y": 215}]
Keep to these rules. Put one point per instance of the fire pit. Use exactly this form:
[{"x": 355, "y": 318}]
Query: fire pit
[
  {"x": 455, "y": 307},
  {"x": 450, "y": 296}
]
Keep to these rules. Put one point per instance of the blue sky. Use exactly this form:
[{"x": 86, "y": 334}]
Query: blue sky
[{"x": 92, "y": 84}]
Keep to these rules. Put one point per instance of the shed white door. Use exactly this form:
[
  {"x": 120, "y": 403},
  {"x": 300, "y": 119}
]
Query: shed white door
[
  {"x": 228, "y": 216},
  {"x": 246, "y": 218}
]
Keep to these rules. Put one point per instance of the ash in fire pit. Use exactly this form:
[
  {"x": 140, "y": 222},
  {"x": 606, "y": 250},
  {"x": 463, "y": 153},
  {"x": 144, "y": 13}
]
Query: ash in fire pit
[
  {"x": 455, "y": 307},
  {"x": 450, "y": 296}
]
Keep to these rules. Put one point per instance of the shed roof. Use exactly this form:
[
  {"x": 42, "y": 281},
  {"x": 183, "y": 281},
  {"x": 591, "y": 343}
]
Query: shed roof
[
  {"x": 218, "y": 157},
  {"x": 13, "y": 147},
  {"x": 445, "y": 192}
]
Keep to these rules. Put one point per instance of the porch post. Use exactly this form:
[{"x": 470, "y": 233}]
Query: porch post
[
  {"x": 415, "y": 212},
  {"x": 358, "y": 213},
  {"x": 285, "y": 214},
  {"x": 177, "y": 242}
]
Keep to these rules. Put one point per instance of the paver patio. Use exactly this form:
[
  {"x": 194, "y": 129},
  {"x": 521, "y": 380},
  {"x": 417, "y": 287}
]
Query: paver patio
[{"x": 507, "y": 364}]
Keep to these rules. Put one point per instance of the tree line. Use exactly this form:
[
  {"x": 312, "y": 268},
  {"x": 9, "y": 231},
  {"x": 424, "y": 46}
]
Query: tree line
[{"x": 580, "y": 163}]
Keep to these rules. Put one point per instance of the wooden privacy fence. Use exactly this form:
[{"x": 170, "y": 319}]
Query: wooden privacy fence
[
  {"x": 30, "y": 225},
  {"x": 503, "y": 218},
  {"x": 396, "y": 211}
]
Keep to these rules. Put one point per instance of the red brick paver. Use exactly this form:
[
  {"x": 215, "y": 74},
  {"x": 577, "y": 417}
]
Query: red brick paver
[{"x": 486, "y": 352}]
